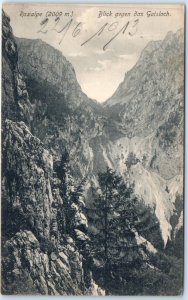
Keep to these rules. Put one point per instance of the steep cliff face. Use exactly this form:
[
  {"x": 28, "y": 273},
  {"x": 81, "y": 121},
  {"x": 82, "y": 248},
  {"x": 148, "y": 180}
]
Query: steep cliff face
[
  {"x": 14, "y": 94},
  {"x": 148, "y": 115},
  {"x": 28, "y": 170},
  {"x": 146, "y": 86},
  {"x": 63, "y": 115},
  {"x": 39, "y": 255},
  {"x": 47, "y": 67},
  {"x": 145, "y": 104},
  {"x": 34, "y": 246}
]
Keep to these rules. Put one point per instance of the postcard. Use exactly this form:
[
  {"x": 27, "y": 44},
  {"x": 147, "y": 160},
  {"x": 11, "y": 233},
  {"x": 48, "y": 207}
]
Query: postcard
[{"x": 92, "y": 149}]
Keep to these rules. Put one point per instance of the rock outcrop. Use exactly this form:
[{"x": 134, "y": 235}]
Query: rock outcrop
[
  {"x": 60, "y": 273},
  {"x": 39, "y": 255},
  {"x": 33, "y": 245}
]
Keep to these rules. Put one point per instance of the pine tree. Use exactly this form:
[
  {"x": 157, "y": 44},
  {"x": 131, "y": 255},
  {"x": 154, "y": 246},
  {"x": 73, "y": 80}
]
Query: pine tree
[{"x": 114, "y": 218}]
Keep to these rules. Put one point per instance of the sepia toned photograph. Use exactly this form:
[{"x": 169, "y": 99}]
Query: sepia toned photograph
[{"x": 92, "y": 149}]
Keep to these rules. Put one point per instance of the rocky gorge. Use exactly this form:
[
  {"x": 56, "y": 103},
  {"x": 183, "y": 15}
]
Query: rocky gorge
[{"x": 56, "y": 140}]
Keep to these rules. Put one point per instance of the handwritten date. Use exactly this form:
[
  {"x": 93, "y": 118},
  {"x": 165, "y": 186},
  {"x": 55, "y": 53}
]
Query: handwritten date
[{"x": 76, "y": 29}]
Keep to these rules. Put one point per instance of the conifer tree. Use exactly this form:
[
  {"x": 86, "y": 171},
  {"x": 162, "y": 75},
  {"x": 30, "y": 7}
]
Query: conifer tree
[{"x": 115, "y": 218}]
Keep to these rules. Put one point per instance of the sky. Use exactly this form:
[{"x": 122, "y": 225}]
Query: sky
[{"x": 124, "y": 29}]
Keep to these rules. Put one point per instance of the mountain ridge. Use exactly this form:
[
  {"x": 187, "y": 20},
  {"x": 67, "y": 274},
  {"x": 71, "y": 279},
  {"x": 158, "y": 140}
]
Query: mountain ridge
[{"x": 149, "y": 46}]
